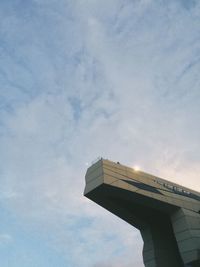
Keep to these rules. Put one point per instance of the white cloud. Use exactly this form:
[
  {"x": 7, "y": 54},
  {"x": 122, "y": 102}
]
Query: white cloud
[
  {"x": 5, "y": 239},
  {"x": 96, "y": 78}
]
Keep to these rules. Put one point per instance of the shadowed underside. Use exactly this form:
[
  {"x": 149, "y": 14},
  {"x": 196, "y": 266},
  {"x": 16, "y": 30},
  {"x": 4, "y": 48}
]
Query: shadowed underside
[{"x": 166, "y": 214}]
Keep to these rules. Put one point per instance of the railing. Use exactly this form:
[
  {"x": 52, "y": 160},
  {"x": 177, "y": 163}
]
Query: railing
[{"x": 94, "y": 161}]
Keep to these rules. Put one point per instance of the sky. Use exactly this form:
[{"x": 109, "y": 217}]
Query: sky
[{"x": 81, "y": 79}]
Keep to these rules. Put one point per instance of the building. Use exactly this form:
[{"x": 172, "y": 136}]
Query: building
[{"x": 167, "y": 214}]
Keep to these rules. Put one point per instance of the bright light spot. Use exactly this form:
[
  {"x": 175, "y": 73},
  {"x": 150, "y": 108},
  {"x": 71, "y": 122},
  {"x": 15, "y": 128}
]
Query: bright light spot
[{"x": 136, "y": 168}]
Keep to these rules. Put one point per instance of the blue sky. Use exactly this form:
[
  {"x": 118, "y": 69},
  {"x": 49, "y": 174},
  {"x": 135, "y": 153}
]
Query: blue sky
[{"x": 82, "y": 79}]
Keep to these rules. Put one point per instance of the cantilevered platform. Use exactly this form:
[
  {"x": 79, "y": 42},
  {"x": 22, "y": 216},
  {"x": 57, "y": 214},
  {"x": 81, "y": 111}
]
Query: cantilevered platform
[{"x": 167, "y": 214}]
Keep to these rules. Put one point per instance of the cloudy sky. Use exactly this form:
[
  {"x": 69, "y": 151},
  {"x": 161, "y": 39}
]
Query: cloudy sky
[{"x": 81, "y": 79}]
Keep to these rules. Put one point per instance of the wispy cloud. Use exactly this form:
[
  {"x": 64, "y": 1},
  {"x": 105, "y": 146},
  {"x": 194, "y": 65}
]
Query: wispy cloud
[
  {"x": 82, "y": 79},
  {"x": 5, "y": 239}
]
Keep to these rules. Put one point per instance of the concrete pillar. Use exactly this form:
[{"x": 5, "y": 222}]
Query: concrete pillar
[{"x": 186, "y": 226}]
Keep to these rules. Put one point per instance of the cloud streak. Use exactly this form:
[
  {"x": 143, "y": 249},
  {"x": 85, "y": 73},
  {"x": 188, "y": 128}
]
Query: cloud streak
[{"x": 79, "y": 80}]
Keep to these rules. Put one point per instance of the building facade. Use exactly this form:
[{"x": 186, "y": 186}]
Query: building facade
[{"x": 167, "y": 214}]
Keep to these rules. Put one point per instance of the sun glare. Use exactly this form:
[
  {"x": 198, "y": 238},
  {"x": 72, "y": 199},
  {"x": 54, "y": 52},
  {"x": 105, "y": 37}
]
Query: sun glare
[{"x": 136, "y": 168}]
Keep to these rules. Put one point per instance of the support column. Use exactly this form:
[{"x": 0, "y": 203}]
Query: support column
[
  {"x": 186, "y": 225},
  {"x": 160, "y": 248}
]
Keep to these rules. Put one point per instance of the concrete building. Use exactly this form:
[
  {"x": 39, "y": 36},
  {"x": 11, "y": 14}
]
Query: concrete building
[{"x": 167, "y": 214}]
